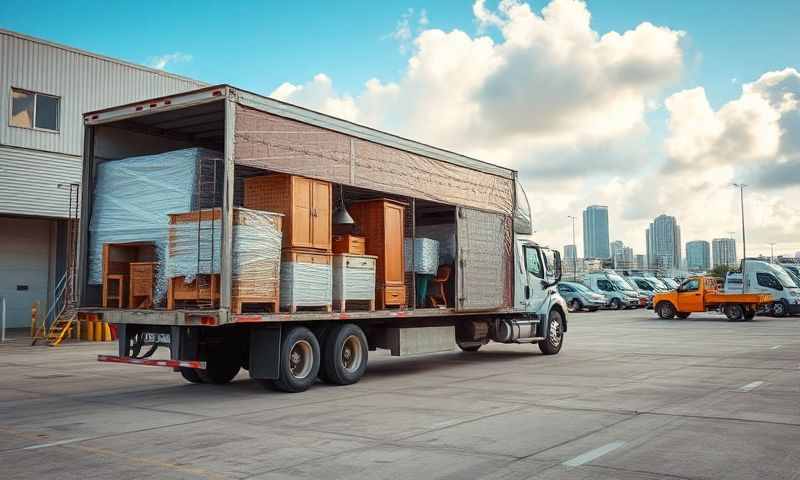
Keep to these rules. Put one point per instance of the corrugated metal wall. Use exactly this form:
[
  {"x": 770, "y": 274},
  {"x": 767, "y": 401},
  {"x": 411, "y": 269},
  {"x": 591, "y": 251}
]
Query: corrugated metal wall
[
  {"x": 29, "y": 182},
  {"x": 84, "y": 83}
]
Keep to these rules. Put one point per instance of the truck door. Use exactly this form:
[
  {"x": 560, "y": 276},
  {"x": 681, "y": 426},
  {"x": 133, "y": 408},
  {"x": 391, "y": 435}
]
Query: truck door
[
  {"x": 535, "y": 293},
  {"x": 690, "y": 296},
  {"x": 484, "y": 265}
]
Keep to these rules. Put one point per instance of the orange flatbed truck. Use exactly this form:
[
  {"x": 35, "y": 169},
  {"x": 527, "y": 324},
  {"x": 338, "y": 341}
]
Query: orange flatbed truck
[{"x": 701, "y": 294}]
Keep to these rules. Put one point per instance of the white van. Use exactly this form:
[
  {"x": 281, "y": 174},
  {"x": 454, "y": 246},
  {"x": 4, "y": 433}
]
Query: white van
[
  {"x": 764, "y": 277},
  {"x": 615, "y": 288}
]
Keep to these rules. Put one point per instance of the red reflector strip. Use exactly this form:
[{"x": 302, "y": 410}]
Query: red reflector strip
[
  {"x": 152, "y": 363},
  {"x": 216, "y": 93}
]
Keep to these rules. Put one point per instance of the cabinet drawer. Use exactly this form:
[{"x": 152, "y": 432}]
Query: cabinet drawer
[
  {"x": 351, "y": 244},
  {"x": 360, "y": 263},
  {"x": 307, "y": 257},
  {"x": 394, "y": 295}
]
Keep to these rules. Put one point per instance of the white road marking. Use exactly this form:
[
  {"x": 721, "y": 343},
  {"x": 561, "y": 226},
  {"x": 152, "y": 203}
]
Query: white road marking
[
  {"x": 593, "y": 454},
  {"x": 750, "y": 386},
  {"x": 776, "y": 347},
  {"x": 53, "y": 444}
]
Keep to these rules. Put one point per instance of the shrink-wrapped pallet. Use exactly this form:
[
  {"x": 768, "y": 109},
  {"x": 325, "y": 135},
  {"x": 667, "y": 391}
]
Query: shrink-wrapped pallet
[
  {"x": 425, "y": 258},
  {"x": 445, "y": 234},
  {"x": 133, "y": 197}
]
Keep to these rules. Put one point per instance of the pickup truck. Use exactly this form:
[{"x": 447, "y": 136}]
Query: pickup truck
[{"x": 701, "y": 294}]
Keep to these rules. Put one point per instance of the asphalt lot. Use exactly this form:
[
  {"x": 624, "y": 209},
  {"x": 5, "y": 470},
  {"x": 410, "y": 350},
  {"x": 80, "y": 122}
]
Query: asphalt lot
[{"x": 629, "y": 397}]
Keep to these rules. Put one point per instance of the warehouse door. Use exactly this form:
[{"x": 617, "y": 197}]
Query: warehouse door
[
  {"x": 24, "y": 267},
  {"x": 484, "y": 260}
]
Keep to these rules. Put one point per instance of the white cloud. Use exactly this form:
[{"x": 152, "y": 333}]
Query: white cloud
[
  {"x": 404, "y": 29},
  {"x": 161, "y": 62}
]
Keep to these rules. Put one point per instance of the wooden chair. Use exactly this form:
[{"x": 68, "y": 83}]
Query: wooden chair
[{"x": 437, "y": 283}]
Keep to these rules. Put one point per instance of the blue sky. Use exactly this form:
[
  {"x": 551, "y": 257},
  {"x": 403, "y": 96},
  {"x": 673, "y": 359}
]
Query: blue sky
[
  {"x": 259, "y": 45},
  {"x": 594, "y": 145}
]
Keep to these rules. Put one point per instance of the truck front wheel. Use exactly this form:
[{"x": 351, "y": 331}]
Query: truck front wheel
[
  {"x": 300, "y": 358},
  {"x": 665, "y": 310},
  {"x": 344, "y": 356},
  {"x": 555, "y": 334}
]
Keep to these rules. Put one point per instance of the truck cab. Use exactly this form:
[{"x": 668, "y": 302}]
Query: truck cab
[{"x": 536, "y": 276}]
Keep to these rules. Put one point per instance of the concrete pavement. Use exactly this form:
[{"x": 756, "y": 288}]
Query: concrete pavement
[{"x": 629, "y": 397}]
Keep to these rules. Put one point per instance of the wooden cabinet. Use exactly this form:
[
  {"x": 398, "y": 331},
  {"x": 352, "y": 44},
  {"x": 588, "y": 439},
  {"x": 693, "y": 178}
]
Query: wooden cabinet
[
  {"x": 347, "y": 243},
  {"x": 381, "y": 222},
  {"x": 305, "y": 202}
]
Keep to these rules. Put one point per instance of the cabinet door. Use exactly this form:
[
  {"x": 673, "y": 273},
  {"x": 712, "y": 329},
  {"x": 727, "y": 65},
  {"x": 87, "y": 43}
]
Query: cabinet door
[
  {"x": 321, "y": 217},
  {"x": 393, "y": 243},
  {"x": 301, "y": 212}
]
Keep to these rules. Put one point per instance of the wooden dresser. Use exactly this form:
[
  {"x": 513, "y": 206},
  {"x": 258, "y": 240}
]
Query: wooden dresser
[
  {"x": 305, "y": 202},
  {"x": 381, "y": 222}
]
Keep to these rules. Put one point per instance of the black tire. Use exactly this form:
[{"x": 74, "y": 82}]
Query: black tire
[
  {"x": 469, "y": 346},
  {"x": 616, "y": 304},
  {"x": 683, "y": 315},
  {"x": 555, "y": 334},
  {"x": 294, "y": 374},
  {"x": 575, "y": 305},
  {"x": 779, "y": 309},
  {"x": 749, "y": 314},
  {"x": 222, "y": 365},
  {"x": 665, "y": 310},
  {"x": 191, "y": 375},
  {"x": 344, "y": 356},
  {"x": 735, "y": 312},
  {"x": 593, "y": 309}
]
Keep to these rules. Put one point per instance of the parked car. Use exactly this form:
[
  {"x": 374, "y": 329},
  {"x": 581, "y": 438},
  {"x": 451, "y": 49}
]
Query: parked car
[
  {"x": 764, "y": 277},
  {"x": 672, "y": 284},
  {"x": 579, "y": 297},
  {"x": 617, "y": 291}
]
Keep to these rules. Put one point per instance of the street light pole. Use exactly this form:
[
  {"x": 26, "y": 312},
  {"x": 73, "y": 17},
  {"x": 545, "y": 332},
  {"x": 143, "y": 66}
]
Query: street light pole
[
  {"x": 574, "y": 252},
  {"x": 741, "y": 186},
  {"x": 772, "y": 252}
]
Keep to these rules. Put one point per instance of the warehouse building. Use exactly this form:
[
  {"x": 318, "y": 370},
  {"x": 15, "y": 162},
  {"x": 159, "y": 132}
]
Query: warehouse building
[{"x": 44, "y": 89}]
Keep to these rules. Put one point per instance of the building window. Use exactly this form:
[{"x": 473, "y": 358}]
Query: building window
[{"x": 34, "y": 110}]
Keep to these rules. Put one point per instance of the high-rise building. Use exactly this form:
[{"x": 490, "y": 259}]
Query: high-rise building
[
  {"x": 595, "y": 232},
  {"x": 640, "y": 261},
  {"x": 664, "y": 243},
  {"x": 570, "y": 252},
  {"x": 724, "y": 251},
  {"x": 698, "y": 255},
  {"x": 621, "y": 256}
]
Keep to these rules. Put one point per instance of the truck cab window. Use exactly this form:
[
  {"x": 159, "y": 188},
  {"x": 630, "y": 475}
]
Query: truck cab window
[
  {"x": 769, "y": 281},
  {"x": 532, "y": 262},
  {"x": 690, "y": 285}
]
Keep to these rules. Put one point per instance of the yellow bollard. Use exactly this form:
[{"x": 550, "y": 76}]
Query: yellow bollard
[
  {"x": 90, "y": 330},
  {"x": 106, "y": 332},
  {"x": 98, "y": 332},
  {"x": 34, "y": 317}
]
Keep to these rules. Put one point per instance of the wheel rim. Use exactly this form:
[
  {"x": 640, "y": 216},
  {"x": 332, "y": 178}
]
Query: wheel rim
[
  {"x": 737, "y": 312},
  {"x": 555, "y": 332},
  {"x": 352, "y": 353},
  {"x": 778, "y": 309},
  {"x": 301, "y": 359},
  {"x": 666, "y": 310}
]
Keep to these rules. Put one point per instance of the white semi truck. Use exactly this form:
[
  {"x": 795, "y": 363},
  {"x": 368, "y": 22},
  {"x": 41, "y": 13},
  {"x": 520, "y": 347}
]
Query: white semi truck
[{"x": 501, "y": 287}]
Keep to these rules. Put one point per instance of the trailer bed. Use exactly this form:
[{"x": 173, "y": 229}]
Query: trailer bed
[
  {"x": 222, "y": 317},
  {"x": 715, "y": 298}
]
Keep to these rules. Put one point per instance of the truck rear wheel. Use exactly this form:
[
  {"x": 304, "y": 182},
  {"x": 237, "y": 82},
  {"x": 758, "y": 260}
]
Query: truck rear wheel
[
  {"x": 734, "y": 312},
  {"x": 665, "y": 310},
  {"x": 344, "y": 356},
  {"x": 222, "y": 365},
  {"x": 469, "y": 346},
  {"x": 191, "y": 375},
  {"x": 300, "y": 358},
  {"x": 555, "y": 334}
]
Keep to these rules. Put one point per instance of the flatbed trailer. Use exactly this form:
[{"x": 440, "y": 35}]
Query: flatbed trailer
[
  {"x": 502, "y": 286},
  {"x": 701, "y": 294}
]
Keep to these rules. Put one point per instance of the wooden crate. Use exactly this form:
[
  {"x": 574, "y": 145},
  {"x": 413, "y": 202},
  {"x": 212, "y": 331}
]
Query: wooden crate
[
  {"x": 203, "y": 292},
  {"x": 117, "y": 258},
  {"x": 142, "y": 283},
  {"x": 347, "y": 243}
]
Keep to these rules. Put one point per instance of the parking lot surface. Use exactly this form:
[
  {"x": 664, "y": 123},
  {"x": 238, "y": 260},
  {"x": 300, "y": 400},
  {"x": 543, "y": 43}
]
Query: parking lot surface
[{"x": 629, "y": 397}]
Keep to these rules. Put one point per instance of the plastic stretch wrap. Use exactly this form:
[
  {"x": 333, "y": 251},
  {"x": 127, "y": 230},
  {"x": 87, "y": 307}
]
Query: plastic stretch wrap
[
  {"x": 426, "y": 255},
  {"x": 353, "y": 283},
  {"x": 306, "y": 284},
  {"x": 256, "y": 249},
  {"x": 485, "y": 246},
  {"x": 133, "y": 196},
  {"x": 445, "y": 234}
]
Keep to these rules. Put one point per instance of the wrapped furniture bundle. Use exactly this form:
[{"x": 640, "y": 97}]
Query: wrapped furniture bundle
[
  {"x": 425, "y": 257},
  {"x": 194, "y": 251},
  {"x": 133, "y": 197},
  {"x": 306, "y": 280}
]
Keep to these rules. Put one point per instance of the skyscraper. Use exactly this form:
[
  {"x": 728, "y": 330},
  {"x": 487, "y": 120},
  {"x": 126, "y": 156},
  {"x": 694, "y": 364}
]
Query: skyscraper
[
  {"x": 570, "y": 252},
  {"x": 664, "y": 243},
  {"x": 698, "y": 255},
  {"x": 724, "y": 251},
  {"x": 641, "y": 261},
  {"x": 595, "y": 232},
  {"x": 621, "y": 255}
]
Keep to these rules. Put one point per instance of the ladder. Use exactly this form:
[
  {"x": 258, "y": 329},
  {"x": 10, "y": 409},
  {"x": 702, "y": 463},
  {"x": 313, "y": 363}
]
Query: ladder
[{"x": 206, "y": 192}]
